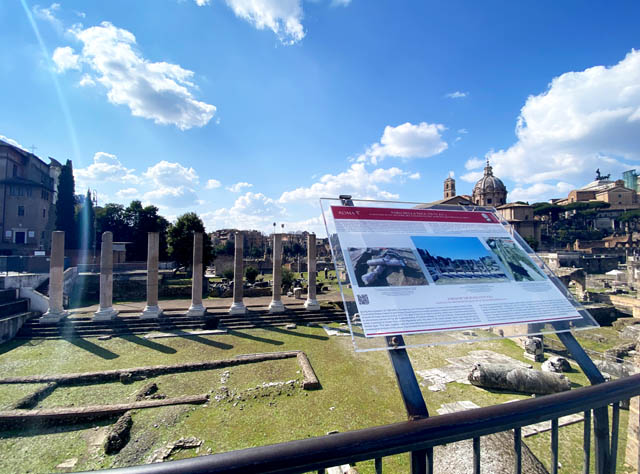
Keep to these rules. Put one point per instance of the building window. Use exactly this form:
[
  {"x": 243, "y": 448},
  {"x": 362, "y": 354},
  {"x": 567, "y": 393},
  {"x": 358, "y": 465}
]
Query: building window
[
  {"x": 488, "y": 200},
  {"x": 44, "y": 213},
  {"x": 44, "y": 194},
  {"x": 15, "y": 170},
  {"x": 20, "y": 210},
  {"x": 42, "y": 235},
  {"x": 29, "y": 191}
]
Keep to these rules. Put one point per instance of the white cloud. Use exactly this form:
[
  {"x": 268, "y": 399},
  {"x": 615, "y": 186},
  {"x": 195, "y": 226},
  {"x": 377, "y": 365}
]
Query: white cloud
[
  {"x": 213, "y": 183},
  {"x": 127, "y": 193},
  {"x": 13, "y": 142},
  {"x": 173, "y": 185},
  {"x": 202, "y": 3},
  {"x": 171, "y": 196},
  {"x": 283, "y": 17},
  {"x": 357, "y": 181},
  {"x": 49, "y": 14},
  {"x": 474, "y": 163},
  {"x": 65, "y": 58},
  {"x": 105, "y": 167},
  {"x": 533, "y": 192},
  {"x": 340, "y": 3},
  {"x": 86, "y": 80},
  {"x": 415, "y": 175},
  {"x": 463, "y": 131},
  {"x": 249, "y": 211},
  {"x": 238, "y": 187},
  {"x": 407, "y": 141},
  {"x": 584, "y": 120},
  {"x": 472, "y": 177},
  {"x": 159, "y": 91},
  {"x": 457, "y": 95},
  {"x": 452, "y": 174},
  {"x": 169, "y": 174}
]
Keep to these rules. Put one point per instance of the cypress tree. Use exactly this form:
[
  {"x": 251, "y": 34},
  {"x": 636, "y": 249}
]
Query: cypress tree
[
  {"x": 86, "y": 224},
  {"x": 65, "y": 205}
]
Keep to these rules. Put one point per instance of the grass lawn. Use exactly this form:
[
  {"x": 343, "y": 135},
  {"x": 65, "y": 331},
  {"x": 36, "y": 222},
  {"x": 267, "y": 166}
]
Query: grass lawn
[{"x": 358, "y": 390}]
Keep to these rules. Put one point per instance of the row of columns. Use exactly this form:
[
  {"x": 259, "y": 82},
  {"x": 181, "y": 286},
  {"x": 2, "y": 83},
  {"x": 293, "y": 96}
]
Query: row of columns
[{"x": 152, "y": 310}]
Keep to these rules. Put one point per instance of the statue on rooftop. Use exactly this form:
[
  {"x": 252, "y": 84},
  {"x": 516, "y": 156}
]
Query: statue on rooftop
[{"x": 598, "y": 177}]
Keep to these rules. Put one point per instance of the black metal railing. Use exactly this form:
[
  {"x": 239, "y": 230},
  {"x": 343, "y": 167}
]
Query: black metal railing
[{"x": 421, "y": 435}]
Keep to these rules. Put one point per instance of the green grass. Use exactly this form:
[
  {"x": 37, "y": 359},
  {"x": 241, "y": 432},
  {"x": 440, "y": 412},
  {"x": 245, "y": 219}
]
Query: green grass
[{"x": 358, "y": 391}]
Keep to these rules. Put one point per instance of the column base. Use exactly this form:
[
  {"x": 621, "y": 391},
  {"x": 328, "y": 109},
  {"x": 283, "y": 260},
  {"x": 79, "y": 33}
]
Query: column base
[
  {"x": 196, "y": 310},
  {"x": 238, "y": 308},
  {"x": 105, "y": 314},
  {"x": 151, "y": 312},
  {"x": 276, "y": 307},
  {"x": 53, "y": 316},
  {"x": 311, "y": 305}
]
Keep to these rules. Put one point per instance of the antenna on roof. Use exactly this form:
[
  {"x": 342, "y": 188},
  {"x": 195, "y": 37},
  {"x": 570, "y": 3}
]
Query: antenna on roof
[{"x": 33, "y": 149}]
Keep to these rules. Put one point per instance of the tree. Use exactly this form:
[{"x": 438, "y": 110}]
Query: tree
[
  {"x": 141, "y": 221},
  {"x": 180, "y": 239},
  {"x": 112, "y": 218},
  {"x": 251, "y": 274},
  {"x": 131, "y": 224},
  {"x": 287, "y": 278},
  {"x": 65, "y": 205},
  {"x": 86, "y": 230}
]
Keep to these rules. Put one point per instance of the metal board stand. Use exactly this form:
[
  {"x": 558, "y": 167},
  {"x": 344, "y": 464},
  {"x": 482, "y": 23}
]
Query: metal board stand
[{"x": 416, "y": 407}]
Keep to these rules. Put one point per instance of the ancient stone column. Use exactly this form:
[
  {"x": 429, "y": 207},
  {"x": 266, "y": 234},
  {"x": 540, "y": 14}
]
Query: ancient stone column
[
  {"x": 56, "y": 311},
  {"x": 196, "y": 308},
  {"x": 106, "y": 311},
  {"x": 152, "y": 310},
  {"x": 276, "y": 305},
  {"x": 238, "y": 307},
  {"x": 311, "y": 304}
]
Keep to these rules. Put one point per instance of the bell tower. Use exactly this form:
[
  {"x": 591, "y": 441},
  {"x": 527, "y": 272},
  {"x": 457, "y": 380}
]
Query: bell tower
[{"x": 449, "y": 187}]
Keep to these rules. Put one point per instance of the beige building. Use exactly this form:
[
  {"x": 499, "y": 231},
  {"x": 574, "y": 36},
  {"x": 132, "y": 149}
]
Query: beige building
[
  {"x": 27, "y": 196},
  {"x": 520, "y": 216}
]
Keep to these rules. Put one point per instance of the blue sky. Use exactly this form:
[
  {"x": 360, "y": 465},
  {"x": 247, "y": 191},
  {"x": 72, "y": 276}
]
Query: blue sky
[
  {"x": 452, "y": 247},
  {"x": 248, "y": 111}
]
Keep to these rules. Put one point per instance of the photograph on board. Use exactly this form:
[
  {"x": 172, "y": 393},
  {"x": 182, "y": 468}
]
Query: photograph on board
[
  {"x": 458, "y": 260},
  {"x": 375, "y": 266},
  {"x": 518, "y": 264}
]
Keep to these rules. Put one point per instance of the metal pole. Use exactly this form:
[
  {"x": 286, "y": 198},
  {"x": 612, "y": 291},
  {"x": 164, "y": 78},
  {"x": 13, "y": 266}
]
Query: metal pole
[{"x": 407, "y": 383}]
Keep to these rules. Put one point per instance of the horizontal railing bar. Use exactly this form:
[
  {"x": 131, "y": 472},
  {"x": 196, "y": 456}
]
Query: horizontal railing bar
[{"x": 369, "y": 443}]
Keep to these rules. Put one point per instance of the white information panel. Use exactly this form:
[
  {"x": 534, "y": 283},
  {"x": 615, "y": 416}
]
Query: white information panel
[{"x": 426, "y": 270}]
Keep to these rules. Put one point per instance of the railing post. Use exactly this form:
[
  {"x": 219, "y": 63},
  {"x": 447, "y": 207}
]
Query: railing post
[{"x": 600, "y": 415}]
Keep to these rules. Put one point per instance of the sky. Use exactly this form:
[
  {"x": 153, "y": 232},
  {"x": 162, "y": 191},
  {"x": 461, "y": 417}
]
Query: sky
[
  {"x": 248, "y": 111},
  {"x": 462, "y": 248}
]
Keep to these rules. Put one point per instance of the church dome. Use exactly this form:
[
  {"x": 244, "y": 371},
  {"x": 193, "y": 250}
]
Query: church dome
[
  {"x": 489, "y": 183},
  {"x": 489, "y": 191}
]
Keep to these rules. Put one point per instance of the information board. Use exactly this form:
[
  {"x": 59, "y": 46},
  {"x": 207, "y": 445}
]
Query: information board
[{"x": 416, "y": 271}]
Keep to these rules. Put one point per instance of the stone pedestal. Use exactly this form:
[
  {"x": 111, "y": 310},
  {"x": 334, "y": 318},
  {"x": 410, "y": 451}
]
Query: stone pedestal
[
  {"x": 276, "y": 305},
  {"x": 238, "y": 307},
  {"x": 152, "y": 310},
  {"x": 197, "y": 308},
  {"x": 106, "y": 312},
  {"x": 56, "y": 311},
  {"x": 311, "y": 304},
  {"x": 533, "y": 348}
]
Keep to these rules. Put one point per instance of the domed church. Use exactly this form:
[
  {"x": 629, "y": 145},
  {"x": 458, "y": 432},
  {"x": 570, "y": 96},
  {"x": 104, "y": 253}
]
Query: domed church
[{"x": 489, "y": 191}]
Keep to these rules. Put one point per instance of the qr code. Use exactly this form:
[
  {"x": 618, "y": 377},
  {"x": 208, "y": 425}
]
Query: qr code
[{"x": 363, "y": 299}]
